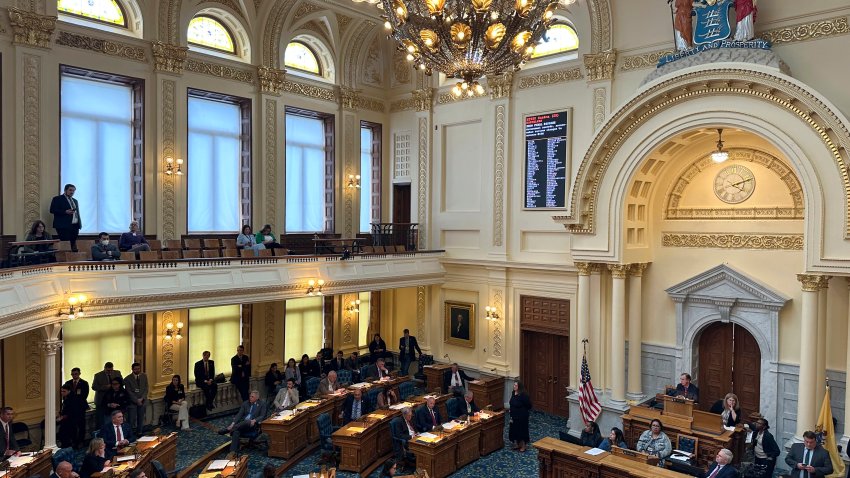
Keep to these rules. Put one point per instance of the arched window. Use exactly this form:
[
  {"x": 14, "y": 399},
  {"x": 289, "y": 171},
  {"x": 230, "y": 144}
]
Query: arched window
[
  {"x": 208, "y": 32},
  {"x": 107, "y": 11},
  {"x": 559, "y": 38},
  {"x": 301, "y": 57}
]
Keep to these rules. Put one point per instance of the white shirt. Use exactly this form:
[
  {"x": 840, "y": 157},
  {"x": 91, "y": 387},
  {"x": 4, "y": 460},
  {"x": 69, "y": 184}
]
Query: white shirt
[
  {"x": 410, "y": 429},
  {"x": 456, "y": 380}
]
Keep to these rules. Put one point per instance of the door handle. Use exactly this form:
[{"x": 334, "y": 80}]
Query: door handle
[
  {"x": 549, "y": 380},
  {"x": 555, "y": 380}
]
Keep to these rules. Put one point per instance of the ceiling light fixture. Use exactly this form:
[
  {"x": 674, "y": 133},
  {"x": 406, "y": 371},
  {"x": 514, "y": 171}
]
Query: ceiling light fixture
[{"x": 719, "y": 156}]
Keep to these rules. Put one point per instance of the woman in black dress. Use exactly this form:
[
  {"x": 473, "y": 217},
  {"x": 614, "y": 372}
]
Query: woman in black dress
[
  {"x": 95, "y": 460},
  {"x": 520, "y": 408}
]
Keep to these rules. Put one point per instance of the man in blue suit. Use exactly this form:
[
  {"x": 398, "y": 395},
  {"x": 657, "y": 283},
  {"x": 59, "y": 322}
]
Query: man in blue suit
[
  {"x": 428, "y": 417},
  {"x": 721, "y": 468},
  {"x": 116, "y": 434}
]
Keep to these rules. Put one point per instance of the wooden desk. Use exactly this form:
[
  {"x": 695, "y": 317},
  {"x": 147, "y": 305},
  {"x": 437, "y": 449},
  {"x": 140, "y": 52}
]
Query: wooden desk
[
  {"x": 162, "y": 449},
  {"x": 315, "y": 407},
  {"x": 468, "y": 444},
  {"x": 235, "y": 469},
  {"x": 488, "y": 390},
  {"x": 439, "y": 402},
  {"x": 434, "y": 376},
  {"x": 566, "y": 460},
  {"x": 41, "y": 464},
  {"x": 287, "y": 435},
  {"x": 492, "y": 432},
  {"x": 365, "y": 443},
  {"x": 438, "y": 458}
]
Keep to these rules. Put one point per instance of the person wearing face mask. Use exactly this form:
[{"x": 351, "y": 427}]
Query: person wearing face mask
[{"x": 103, "y": 250}]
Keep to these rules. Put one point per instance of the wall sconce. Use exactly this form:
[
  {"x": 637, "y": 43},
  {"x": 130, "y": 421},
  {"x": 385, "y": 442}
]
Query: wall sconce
[
  {"x": 75, "y": 307},
  {"x": 491, "y": 313},
  {"x": 314, "y": 287},
  {"x": 353, "y": 181},
  {"x": 353, "y": 307},
  {"x": 169, "y": 166},
  {"x": 172, "y": 333}
]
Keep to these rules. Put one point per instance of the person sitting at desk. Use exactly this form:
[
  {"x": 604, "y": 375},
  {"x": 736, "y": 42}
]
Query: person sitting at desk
[
  {"x": 116, "y": 434},
  {"x": 686, "y": 389},
  {"x": 133, "y": 240},
  {"x": 729, "y": 409},
  {"x": 466, "y": 406},
  {"x": 328, "y": 385},
  {"x": 389, "y": 469},
  {"x": 338, "y": 363},
  {"x": 721, "y": 468},
  {"x": 247, "y": 240},
  {"x": 247, "y": 419},
  {"x": 37, "y": 233},
  {"x": 352, "y": 363},
  {"x": 102, "y": 250},
  {"x": 64, "y": 470},
  {"x": 354, "y": 406},
  {"x": 654, "y": 441},
  {"x": 287, "y": 397},
  {"x": 95, "y": 460},
  {"x": 615, "y": 438},
  {"x": 7, "y": 439},
  {"x": 405, "y": 430},
  {"x": 379, "y": 370},
  {"x": 427, "y": 416},
  {"x": 591, "y": 436},
  {"x": 315, "y": 367},
  {"x": 386, "y": 398}
]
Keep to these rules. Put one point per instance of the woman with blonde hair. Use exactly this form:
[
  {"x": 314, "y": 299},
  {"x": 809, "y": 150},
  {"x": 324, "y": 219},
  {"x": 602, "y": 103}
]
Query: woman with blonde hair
[
  {"x": 95, "y": 460},
  {"x": 729, "y": 409}
]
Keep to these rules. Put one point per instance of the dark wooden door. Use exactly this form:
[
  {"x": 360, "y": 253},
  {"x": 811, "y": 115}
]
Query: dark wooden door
[
  {"x": 561, "y": 377},
  {"x": 401, "y": 203},
  {"x": 729, "y": 361},
  {"x": 544, "y": 368}
]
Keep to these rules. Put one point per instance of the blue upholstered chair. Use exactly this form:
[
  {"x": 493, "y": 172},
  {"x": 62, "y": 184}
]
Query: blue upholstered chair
[
  {"x": 364, "y": 372},
  {"x": 451, "y": 407},
  {"x": 371, "y": 398},
  {"x": 65, "y": 454},
  {"x": 688, "y": 444},
  {"x": 405, "y": 390},
  {"x": 344, "y": 376},
  {"x": 326, "y": 429},
  {"x": 312, "y": 386}
]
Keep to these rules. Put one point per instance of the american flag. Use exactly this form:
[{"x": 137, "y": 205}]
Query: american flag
[{"x": 588, "y": 404}]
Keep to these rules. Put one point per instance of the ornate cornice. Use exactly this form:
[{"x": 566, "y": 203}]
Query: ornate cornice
[
  {"x": 101, "y": 45},
  {"x": 446, "y": 98},
  {"x": 305, "y": 9},
  {"x": 271, "y": 79},
  {"x": 169, "y": 58},
  {"x": 600, "y": 66},
  {"x": 638, "y": 269},
  {"x": 500, "y": 85},
  {"x": 50, "y": 347},
  {"x": 404, "y": 104},
  {"x": 371, "y": 104},
  {"x": 347, "y": 97},
  {"x": 550, "y": 78},
  {"x": 584, "y": 268},
  {"x": 824, "y": 282},
  {"x": 423, "y": 99},
  {"x": 788, "y": 242},
  {"x": 220, "y": 71},
  {"x": 310, "y": 91},
  {"x": 810, "y": 282},
  {"x": 30, "y": 28},
  {"x": 643, "y": 60},
  {"x": 807, "y": 31},
  {"x": 619, "y": 271}
]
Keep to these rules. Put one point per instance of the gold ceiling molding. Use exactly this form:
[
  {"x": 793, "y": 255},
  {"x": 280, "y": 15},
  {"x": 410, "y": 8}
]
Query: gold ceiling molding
[
  {"x": 342, "y": 22},
  {"x": 310, "y": 91},
  {"x": 31, "y": 28},
  {"x": 271, "y": 79},
  {"x": 807, "y": 31},
  {"x": 718, "y": 82},
  {"x": 786, "y": 242},
  {"x": 169, "y": 58},
  {"x": 273, "y": 31},
  {"x": 305, "y": 9},
  {"x": 550, "y": 78},
  {"x": 446, "y": 98},
  {"x": 100, "y": 45},
  {"x": 369, "y": 103},
  {"x": 404, "y": 104},
  {"x": 600, "y": 25},
  {"x": 221, "y": 71},
  {"x": 644, "y": 60},
  {"x": 600, "y": 66},
  {"x": 766, "y": 160}
]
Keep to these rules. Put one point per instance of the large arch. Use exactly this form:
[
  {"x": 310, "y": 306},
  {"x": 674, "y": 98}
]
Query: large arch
[{"x": 800, "y": 123}]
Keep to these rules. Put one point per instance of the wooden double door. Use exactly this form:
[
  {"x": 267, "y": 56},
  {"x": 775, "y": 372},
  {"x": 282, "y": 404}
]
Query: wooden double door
[
  {"x": 729, "y": 361},
  {"x": 545, "y": 353}
]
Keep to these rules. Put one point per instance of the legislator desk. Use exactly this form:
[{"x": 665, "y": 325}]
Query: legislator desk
[
  {"x": 315, "y": 407},
  {"x": 706, "y": 427},
  {"x": 560, "y": 459},
  {"x": 287, "y": 433},
  {"x": 488, "y": 390},
  {"x": 434, "y": 376},
  {"x": 162, "y": 448},
  {"x": 439, "y": 402},
  {"x": 237, "y": 468},
  {"x": 31, "y": 464},
  {"x": 492, "y": 431},
  {"x": 449, "y": 450},
  {"x": 365, "y": 443}
]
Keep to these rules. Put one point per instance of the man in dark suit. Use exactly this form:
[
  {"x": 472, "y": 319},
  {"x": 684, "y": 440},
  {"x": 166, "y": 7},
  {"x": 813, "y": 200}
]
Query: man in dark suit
[
  {"x": 64, "y": 470},
  {"x": 407, "y": 348},
  {"x": 808, "y": 459},
  {"x": 354, "y": 406},
  {"x": 116, "y": 434},
  {"x": 7, "y": 437},
  {"x": 79, "y": 392},
  {"x": 66, "y": 216},
  {"x": 136, "y": 385},
  {"x": 69, "y": 421},
  {"x": 466, "y": 406},
  {"x": 102, "y": 250},
  {"x": 721, "y": 467},
  {"x": 427, "y": 416},
  {"x": 686, "y": 389},
  {"x": 251, "y": 413},
  {"x": 378, "y": 370},
  {"x": 101, "y": 384},
  {"x": 205, "y": 379},
  {"x": 353, "y": 363},
  {"x": 454, "y": 381},
  {"x": 404, "y": 429},
  {"x": 460, "y": 327},
  {"x": 240, "y": 376},
  {"x": 338, "y": 363}
]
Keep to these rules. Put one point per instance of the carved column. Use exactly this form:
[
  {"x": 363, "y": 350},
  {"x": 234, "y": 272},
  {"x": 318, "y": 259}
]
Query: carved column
[
  {"x": 594, "y": 348},
  {"x": 619, "y": 273},
  {"x": 600, "y": 73},
  {"x": 583, "y": 320},
  {"x": 846, "y": 438},
  {"x": 424, "y": 102},
  {"x": 350, "y": 142},
  {"x": 820, "y": 386},
  {"x": 806, "y": 392},
  {"x": 271, "y": 82},
  {"x": 635, "y": 387},
  {"x": 500, "y": 93},
  {"x": 49, "y": 348}
]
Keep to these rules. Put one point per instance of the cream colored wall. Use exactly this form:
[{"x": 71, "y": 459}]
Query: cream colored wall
[{"x": 398, "y": 312}]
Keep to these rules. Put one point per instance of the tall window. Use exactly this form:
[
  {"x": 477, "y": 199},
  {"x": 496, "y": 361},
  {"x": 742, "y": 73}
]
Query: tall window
[
  {"x": 301, "y": 57},
  {"x": 107, "y": 11},
  {"x": 370, "y": 175},
  {"x": 217, "y": 329},
  {"x": 365, "y": 316},
  {"x": 219, "y": 162},
  {"x": 304, "y": 327},
  {"x": 559, "y": 38},
  {"x": 101, "y": 147},
  {"x": 309, "y": 171},
  {"x": 89, "y": 343},
  {"x": 208, "y": 32}
]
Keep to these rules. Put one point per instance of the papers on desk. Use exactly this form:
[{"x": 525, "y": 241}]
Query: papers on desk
[
  {"x": 209, "y": 475},
  {"x": 3, "y": 473},
  {"x": 217, "y": 465},
  {"x": 356, "y": 429},
  {"x": 301, "y": 476},
  {"x": 427, "y": 436},
  {"x": 146, "y": 439},
  {"x": 450, "y": 425},
  {"x": 361, "y": 385},
  {"x": 728, "y": 429},
  {"x": 594, "y": 451},
  {"x": 119, "y": 459},
  {"x": 16, "y": 461},
  {"x": 426, "y": 397},
  {"x": 399, "y": 406}
]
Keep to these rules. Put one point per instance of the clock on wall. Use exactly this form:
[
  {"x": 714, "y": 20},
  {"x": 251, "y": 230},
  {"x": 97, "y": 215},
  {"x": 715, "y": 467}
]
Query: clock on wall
[{"x": 734, "y": 184}]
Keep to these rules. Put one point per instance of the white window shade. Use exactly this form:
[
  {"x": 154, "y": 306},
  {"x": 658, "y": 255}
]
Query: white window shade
[
  {"x": 213, "y": 166},
  {"x": 217, "y": 329},
  {"x": 304, "y": 327},
  {"x": 365, "y": 316},
  {"x": 305, "y": 175},
  {"x": 89, "y": 343},
  {"x": 366, "y": 179},
  {"x": 96, "y": 149}
]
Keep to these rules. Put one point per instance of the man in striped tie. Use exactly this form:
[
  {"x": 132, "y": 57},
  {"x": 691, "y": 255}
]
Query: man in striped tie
[{"x": 721, "y": 467}]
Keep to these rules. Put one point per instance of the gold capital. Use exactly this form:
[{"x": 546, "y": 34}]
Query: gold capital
[
  {"x": 271, "y": 79},
  {"x": 638, "y": 268},
  {"x": 31, "y": 28},
  {"x": 584, "y": 268},
  {"x": 600, "y": 66},
  {"x": 811, "y": 282},
  {"x": 619, "y": 271}
]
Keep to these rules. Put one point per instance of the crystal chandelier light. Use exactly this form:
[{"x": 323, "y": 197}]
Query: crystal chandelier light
[{"x": 468, "y": 39}]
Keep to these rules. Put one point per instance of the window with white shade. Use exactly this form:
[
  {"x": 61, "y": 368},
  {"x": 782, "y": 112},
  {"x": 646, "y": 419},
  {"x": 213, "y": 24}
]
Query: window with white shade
[
  {"x": 370, "y": 175},
  {"x": 101, "y": 147},
  {"x": 304, "y": 327},
  {"x": 89, "y": 343},
  {"x": 218, "y": 169},
  {"x": 309, "y": 171}
]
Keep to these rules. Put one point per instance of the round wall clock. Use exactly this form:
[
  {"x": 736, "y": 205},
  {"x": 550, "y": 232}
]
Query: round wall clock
[{"x": 734, "y": 184}]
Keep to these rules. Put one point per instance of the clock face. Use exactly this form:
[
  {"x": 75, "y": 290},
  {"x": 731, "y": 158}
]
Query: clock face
[{"x": 734, "y": 184}]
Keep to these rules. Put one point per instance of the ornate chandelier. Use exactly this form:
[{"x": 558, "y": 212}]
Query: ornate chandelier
[{"x": 468, "y": 39}]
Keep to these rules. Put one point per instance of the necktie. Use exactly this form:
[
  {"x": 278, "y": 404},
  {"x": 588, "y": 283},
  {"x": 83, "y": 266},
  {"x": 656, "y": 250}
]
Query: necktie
[
  {"x": 250, "y": 412},
  {"x": 715, "y": 472},
  {"x": 807, "y": 457},
  {"x": 356, "y": 412},
  {"x": 433, "y": 417},
  {"x": 206, "y": 368},
  {"x": 6, "y": 429},
  {"x": 457, "y": 379},
  {"x": 118, "y": 436}
]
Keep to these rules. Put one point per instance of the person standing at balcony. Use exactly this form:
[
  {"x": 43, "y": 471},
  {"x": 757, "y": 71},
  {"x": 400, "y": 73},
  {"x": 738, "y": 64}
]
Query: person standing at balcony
[
  {"x": 240, "y": 365},
  {"x": 66, "y": 216}
]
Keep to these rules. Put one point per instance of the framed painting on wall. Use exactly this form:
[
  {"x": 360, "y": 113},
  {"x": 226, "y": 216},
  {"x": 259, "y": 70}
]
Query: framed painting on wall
[{"x": 460, "y": 324}]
